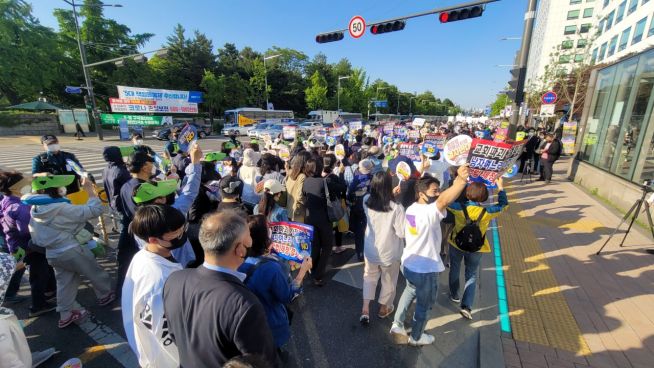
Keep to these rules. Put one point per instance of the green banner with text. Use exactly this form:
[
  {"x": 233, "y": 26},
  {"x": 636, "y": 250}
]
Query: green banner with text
[{"x": 145, "y": 120}]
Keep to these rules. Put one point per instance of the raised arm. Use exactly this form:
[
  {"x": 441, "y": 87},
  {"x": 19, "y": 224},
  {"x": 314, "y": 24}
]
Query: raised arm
[{"x": 452, "y": 193}]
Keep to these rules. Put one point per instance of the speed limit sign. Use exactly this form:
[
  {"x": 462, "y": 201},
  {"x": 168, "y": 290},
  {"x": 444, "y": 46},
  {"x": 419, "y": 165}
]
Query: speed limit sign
[{"x": 357, "y": 26}]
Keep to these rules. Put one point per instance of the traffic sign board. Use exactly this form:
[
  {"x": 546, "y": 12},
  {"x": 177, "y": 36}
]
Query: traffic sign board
[
  {"x": 549, "y": 98},
  {"x": 357, "y": 26}
]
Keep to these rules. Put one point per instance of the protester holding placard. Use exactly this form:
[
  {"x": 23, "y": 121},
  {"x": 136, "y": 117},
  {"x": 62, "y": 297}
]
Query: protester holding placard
[
  {"x": 268, "y": 206},
  {"x": 268, "y": 277},
  {"x": 464, "y": 213},
  {"x": 382, "y": 245},
  {"x": 421, "y": 261}
]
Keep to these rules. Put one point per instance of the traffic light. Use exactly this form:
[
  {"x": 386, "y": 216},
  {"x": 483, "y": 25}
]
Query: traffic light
[
  {"x": 380, "y": 28},
  {"x": 461, "y": 14},
  {"x": 329, "y": 37}
]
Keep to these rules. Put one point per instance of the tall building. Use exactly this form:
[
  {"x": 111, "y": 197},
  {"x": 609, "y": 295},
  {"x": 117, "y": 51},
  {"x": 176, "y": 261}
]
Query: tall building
[
  {"x": 624, "y": 27},
  {"x": 564, "y": 23}
]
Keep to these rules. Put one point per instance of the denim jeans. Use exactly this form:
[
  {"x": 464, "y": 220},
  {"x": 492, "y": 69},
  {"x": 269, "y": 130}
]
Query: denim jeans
[
  {"x": 471, "y": 261},
  {"x": 424, "y": 288}
]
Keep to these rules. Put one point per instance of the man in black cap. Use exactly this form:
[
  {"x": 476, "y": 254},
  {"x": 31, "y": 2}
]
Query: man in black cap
[
  {"x": 230, "y": 190},
  {"x": 53, "y": 161}
]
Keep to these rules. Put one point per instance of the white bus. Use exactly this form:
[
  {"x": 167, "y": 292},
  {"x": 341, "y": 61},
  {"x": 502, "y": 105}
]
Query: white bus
[{"x": 244, "y": 116}]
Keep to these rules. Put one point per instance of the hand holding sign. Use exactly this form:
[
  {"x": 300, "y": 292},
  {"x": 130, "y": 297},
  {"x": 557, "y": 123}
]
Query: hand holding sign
[
  {"x": 429, "y": 149},
  {"x": 76, "y": 168},
  {"x": 339, "y": 151},
  {"x": 284, "y": 154},
  {"x": 187, "y": 136},
  {"x": 403, "y": 171}
]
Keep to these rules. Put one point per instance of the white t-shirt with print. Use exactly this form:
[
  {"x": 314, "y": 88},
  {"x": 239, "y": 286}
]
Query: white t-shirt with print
[{"x": 422, "y": 232}]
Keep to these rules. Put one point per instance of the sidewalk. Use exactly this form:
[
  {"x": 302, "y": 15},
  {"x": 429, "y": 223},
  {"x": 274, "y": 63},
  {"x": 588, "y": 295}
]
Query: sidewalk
[{"x": 569, "y": 307}]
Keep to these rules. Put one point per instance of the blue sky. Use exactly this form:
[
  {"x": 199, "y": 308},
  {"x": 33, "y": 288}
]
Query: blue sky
[{"x": 456, "y": 60}]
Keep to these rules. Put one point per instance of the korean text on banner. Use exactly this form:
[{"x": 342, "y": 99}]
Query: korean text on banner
[
  {"x": 568, "y": 137},
  {"x": 410, "y": 150},
  {"x": 418, "y": 122},
  {"x": 291, "y": 240},
  {"x": 355, "y": 125},
  {"x": 149, "y": 106},
  {"x": 438, "y": 139},
  {"x": 163, "y": 100},
  {"x": 187, "y": 136},
  {"x": 146, "y": 120},
  {"x": 489, "y": 160}
]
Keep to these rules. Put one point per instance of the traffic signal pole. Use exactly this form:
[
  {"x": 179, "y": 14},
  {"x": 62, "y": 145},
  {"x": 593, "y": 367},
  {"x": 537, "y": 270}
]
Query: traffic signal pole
[{"x": 530, "y": 15}]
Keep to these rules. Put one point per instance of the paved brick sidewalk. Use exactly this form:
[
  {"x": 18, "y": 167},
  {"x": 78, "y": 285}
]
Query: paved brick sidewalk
[{"x": 577, "y": 308}]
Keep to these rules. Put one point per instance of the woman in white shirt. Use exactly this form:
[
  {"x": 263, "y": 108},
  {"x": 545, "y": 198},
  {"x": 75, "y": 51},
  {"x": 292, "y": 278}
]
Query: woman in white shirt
[
  {"x": 249, "y": 174},
  {"x": 382, "y": 245}
]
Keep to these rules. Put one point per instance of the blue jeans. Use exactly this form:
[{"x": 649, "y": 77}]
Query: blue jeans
[
  {"x": 471, "y": 273},
  {"x": 424, "y": 288}
]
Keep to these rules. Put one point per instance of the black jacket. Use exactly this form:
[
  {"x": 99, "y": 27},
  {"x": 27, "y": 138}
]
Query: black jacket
[
  {"x": 555, "y": 150},
  {"x": 114, "y": 175},
  {"x": 214, "y": 317},
  {"x": 55, "y": 164}
]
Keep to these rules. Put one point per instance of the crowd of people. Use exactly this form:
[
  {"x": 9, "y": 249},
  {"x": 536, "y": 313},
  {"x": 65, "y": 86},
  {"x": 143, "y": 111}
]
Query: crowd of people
[{"x": 197, "y": 277}]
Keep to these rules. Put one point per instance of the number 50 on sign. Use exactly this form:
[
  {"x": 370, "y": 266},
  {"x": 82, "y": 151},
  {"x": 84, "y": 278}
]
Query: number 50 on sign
[{"x": 357, "y": 26}]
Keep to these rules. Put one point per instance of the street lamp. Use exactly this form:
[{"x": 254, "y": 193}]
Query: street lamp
[
  {"x": 411, "y": 99},
  {"x": 82, "y": 52},
  {"x": 338, "y": 92},
  {"x": 265, "y": 74}
]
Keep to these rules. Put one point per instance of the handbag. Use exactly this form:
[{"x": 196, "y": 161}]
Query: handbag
[
  {"x": 335, "y": 211},
  {"x": 344, "y": 223}
]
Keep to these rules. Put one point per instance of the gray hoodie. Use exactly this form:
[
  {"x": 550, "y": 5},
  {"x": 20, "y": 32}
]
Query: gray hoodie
[{"x": 55, "y": 222}]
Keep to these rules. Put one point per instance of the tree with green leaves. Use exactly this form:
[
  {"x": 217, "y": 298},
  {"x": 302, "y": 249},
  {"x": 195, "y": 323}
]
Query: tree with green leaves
[
  {"x": 214, "y": 93},
  {"x": 500, "y": 103},
  {"x": 316, "y": 94}
]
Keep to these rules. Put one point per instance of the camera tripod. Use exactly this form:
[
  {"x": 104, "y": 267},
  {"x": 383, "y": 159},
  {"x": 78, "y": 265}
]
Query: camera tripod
[
  {"x": 633, "y": 212},
  {"x": 526, "y": 171}
]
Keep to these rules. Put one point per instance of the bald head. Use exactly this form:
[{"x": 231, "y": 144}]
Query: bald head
[{"x": 222, "y": 231}]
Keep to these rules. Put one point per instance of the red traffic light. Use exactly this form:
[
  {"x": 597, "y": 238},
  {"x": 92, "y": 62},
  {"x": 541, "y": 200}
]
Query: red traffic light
[
  {"x": 329, "y": 37},
  {"x": 380, "y": 28},
  {"x": 461, "y": 14}
]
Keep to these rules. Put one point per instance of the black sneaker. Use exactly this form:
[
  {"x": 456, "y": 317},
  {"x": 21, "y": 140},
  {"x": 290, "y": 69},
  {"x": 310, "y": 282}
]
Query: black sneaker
[{"x": 47, "y": 307}]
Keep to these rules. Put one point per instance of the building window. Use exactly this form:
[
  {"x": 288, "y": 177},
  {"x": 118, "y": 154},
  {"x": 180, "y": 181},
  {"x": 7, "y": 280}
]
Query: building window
[
  {"x": 594, "y": 57},
  {"x": 612, "y": 44},
  {"x": 581, "y": 43},
  {"x": 584, "y": 28},
  {"x": 575, "y": 2},
  {"x": 588, "y": 12},
  {"x": 579, "y": 58},
  {"x": 620, "y": 14},
  {"x": 567, "y": 44},
  {"x": 651, "y": 28},
  {"x": 639, "y": 29},
  {"x": 624, "y": 39},
  {"x": 573, "y": 14},
  {"x": 633, "y": 4},
  {"x": 602, "y": 52},
  {"x": 609, "y": 20},
  {"x": 570, "y": 30},
  {"x": 564, "y": 58}
]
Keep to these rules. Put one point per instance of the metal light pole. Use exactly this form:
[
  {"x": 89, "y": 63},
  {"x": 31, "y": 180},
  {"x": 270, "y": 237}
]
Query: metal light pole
[
  {"x": 522, "y": 67},
  {"x": 338, "y": 92},
  {"x": 82, "y": 52},
  {"x": 265, "y": 74},
  {"x": 411, "y": 111}
]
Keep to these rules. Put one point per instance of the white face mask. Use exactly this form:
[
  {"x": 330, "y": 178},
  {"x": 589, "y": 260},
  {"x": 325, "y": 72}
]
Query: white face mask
[
  {"x": 53, "y": 147},
  {"x": 62, "y": 191},
  {"x": 138, "y": 142}
]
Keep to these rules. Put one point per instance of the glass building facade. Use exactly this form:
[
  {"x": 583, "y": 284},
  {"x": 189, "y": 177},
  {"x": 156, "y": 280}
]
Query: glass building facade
[{"x": 619, "y": 130}]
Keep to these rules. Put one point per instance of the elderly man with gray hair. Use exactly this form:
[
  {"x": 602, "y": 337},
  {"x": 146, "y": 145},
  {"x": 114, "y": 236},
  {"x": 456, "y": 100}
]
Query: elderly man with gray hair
[{"x": 212, "y": 315}]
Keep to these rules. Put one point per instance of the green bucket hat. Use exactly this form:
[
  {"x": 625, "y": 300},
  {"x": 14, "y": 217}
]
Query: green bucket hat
[
  {"x": 214, "y": 156},
  {"x": 155, "y": 189},
  {"x": 52, "y": 181}
]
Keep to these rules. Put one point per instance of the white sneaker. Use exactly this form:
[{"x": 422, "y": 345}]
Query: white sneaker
[
  {"x": 455, "y": 300},
  {"x": 399, "y": 334},
  {"x": 466, "y": 313},
  {"x": 425, "y": 339}
]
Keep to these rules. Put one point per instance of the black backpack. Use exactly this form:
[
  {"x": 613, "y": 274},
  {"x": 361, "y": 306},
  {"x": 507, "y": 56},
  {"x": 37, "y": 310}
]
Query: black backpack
[{"x": 469, "y": 238}]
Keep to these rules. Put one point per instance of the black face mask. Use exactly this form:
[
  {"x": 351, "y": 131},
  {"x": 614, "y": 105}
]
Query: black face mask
[
  {"x": 177, "y": 242},
  {"x": 431, "y": 200}
]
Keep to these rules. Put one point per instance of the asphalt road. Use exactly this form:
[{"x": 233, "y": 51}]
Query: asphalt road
[{"x": 325, "y": 329}]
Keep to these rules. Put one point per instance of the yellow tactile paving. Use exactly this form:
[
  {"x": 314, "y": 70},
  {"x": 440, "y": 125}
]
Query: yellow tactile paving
[{"x": 538, "y": 311}]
